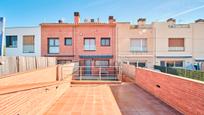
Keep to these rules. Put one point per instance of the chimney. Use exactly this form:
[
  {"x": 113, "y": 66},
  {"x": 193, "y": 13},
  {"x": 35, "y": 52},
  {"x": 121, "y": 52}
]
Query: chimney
[
  {"x": 199, "y": 21},
  {"x": 141, "y": 21},
  {"x": 92, "y": 20},
  {"x": 60, "y": 21},
  {"x": 171, "y": 21},
  {"x": 111, "y": 19},
  {"x": 76, "y": 17}
]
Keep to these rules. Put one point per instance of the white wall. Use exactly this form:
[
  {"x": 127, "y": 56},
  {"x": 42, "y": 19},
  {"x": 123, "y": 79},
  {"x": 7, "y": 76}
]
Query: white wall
[
  {"x": 20, "y": 32},
  {"x": 163, "y": 33}
]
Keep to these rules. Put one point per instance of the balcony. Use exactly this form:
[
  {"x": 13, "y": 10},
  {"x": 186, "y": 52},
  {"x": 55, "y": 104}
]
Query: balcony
[
  {"x": 176, "y": 49},
  {"x": 133, "y": 53},
  {"x": 179, "y": 26},
  {"x": 141, "y": 27}
]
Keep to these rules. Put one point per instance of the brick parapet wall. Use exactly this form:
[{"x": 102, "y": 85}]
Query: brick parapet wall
[
  {"x": 185, "y": 95},
  {"x": 35, "y": 76},
  {"x": 33, "y": 101}
]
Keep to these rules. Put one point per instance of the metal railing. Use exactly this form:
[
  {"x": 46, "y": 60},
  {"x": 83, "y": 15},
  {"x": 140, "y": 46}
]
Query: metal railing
[{"x": 103, "y": 73}]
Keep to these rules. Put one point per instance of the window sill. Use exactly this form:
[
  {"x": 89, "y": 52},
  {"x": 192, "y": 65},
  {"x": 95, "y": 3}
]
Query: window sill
[
  {"x": 53, "y": 53},
  {"x": 176, "y": 50},
  {"x": 105, "y": 45},
  {"x": 138, "y": 51},
  {"x": 11, "y": 47},
  {"x": 28, "y": 52},
  {"x": 89, "y": 50}
]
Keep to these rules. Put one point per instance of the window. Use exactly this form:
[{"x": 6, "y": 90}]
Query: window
[
  {"x": 105, "y": 41},
  {"x": 53, "y": 45},
  {"x": 138, "y": 45},
  {"x": 11, "y": 41},
  {"x": 138, "y": 63},
  {"x": 28, "y": 44},
  {"x": 176, "y": 44},
  {"x": 89, "y": 44},
  {"x": 68, "y": 41},
  {"x": 64, "y": 61},
  {"x": 178, "y": 63},
  {"x": 102, "y": 63},
  {"x": 162, "y": 63},
  {"x": 171, "y": 63}
]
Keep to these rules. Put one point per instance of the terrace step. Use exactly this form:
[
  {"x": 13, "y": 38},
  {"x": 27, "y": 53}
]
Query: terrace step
[{"x": 87, "y": 82}]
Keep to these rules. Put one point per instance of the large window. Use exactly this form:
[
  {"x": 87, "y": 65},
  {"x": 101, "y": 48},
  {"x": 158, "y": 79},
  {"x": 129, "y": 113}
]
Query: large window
[
  {"x": 89, "y": 44},
  {"x": 138, "y": 45},
  {"x": 139, "y": 63},
  {"x": 28, "y": 44},
  {"x": 176, "y": 44},
  {"x": 105, "y": 41},
  {"x": 53, "y": 45},
  {"x": 68, "y": 41},
  {"x": 11, "y": 41},
  {"x": 102, "y": 63},
  {"x": 171, "y": 63}
]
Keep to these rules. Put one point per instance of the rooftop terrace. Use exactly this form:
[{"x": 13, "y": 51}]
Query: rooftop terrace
[{"x": 138, "y": 91}]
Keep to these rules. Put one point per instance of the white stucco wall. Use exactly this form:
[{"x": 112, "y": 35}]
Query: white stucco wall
[
  {"x": 20, "y": 32},
  {"x": 198, "y": 41},
  {"x": 163, "y": 33}
]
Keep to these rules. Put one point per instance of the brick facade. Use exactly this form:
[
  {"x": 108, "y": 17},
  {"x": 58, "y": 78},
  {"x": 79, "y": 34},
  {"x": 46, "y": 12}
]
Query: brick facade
[{"x": 79, "y": 32}]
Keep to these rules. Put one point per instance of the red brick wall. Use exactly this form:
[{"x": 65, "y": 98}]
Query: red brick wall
[
  {"x": 60, "y": 31},
  {"x": 37, "y": 76},
  {"x": 78, "y": 33},
  {"x": 185, "y": 95},
  {"x": 31, "y": 102}
]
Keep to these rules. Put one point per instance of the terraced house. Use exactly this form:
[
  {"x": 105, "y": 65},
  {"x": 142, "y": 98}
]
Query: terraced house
[
  {"x": 92, "y": 43},
  {"x": 22, "y": 41},
  {"x": 179, "y": 45},
  {"x": 135, "y": 43}
]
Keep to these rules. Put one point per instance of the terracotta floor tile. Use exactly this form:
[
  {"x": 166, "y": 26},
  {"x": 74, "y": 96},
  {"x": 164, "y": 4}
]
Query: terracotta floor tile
[
  {"x": 86, "y": 100},
  {"x": 133, "y": 100}
]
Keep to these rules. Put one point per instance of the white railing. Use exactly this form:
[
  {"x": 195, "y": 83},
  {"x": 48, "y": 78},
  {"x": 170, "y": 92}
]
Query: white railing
[
  {"x": 176, "y": 48},
  {"x": 179, "y": 26},
  {"x": 103, "y": 73}
]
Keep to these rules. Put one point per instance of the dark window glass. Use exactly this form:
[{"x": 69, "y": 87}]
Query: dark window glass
[
  {"x": 178, "y": 63},
  {"x": 162, "y": 63},
  {"x": 105, "y": 41},
  {"x": 68, "y": 41},
  {"x": 11, "y": 41}
]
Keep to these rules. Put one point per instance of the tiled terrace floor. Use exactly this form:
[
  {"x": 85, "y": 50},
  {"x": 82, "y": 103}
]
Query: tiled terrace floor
[
  {"x": 133, "y": 100},
  {"x": 86, "y": 100},
  {"x": 99, "y": 100}
]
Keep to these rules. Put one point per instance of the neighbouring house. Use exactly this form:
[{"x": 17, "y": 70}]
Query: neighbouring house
[
  {"x": 198, "y": 43},
  {"x": 22, "y": 41},
  {"x": 174, "y": 43},
  {"x": 135, "y": 43},
  {"x": 91, "y": 43}
]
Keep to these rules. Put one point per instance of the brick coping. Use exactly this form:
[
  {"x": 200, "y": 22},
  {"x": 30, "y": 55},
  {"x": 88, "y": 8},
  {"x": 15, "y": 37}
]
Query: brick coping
[
  {"x": 26, "y": 87},
  {"x": 19, "y": 73},
  {"x": 175, "y": 76}
]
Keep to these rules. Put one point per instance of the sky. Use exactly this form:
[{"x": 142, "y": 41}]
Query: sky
[{"x": 34, "y": 12}]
